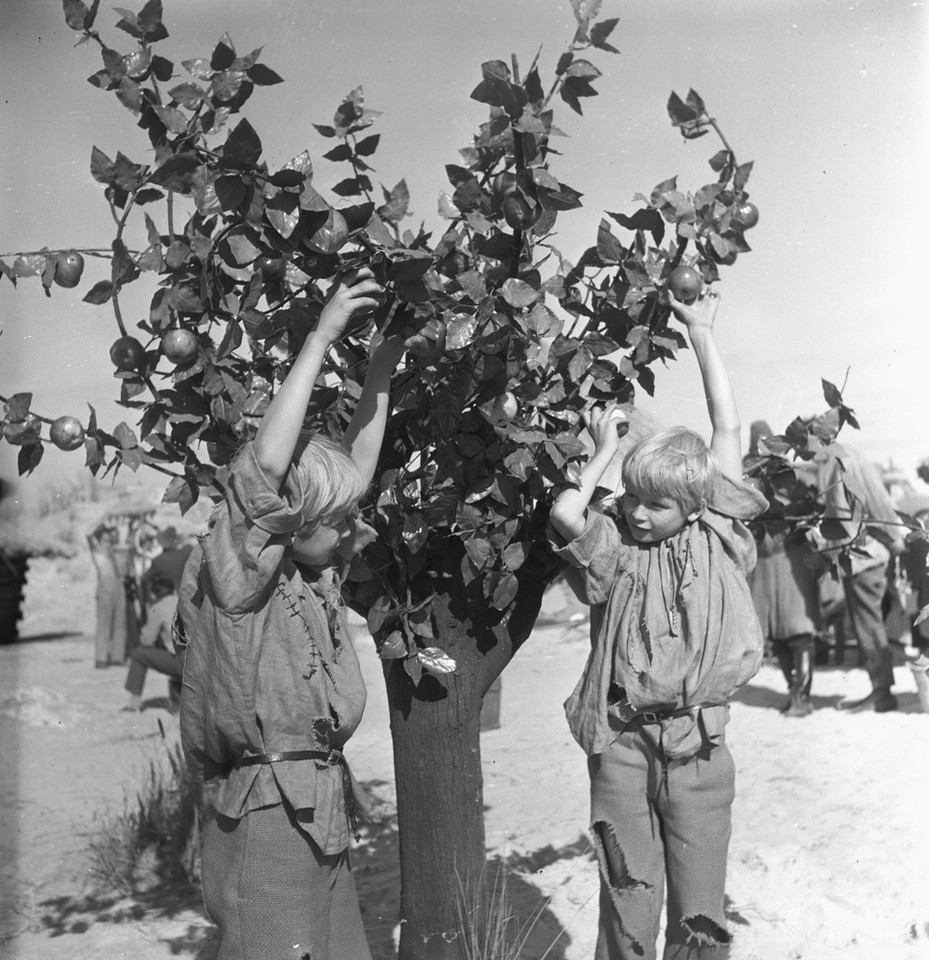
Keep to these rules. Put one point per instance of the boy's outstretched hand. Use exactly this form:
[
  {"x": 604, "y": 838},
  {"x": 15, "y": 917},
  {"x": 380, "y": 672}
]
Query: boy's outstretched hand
[
  {"x": 606, "y": 424},
  {"x": 356, "y": 294},
  {"x": 698, "y": 315}
]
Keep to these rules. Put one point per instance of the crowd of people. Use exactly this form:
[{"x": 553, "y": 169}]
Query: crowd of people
[
  {"x": 686, "y": 583},
  {"x": 866, "y": 581}
]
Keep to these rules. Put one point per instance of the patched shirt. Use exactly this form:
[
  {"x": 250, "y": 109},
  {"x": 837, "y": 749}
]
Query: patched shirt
[
  {"x": 269, "y": 667},
  {"x": 672, "y": 623}
]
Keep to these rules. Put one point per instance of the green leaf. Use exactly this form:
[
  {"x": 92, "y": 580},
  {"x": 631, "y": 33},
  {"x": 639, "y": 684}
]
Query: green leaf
[
  {"x": 16, "y": 409},
  {"x": 183, "y": 492},
  {"x": 742, "y": 173},
  {"x": 338, "y": 153},
  {"x": 76, "y": 14},
  {"x": 101, "y": 166},
  {"x": 231, "y": 192},
  {"x": 397, "y": 205},
  {"x": 350, "y": 186},
  {"x": 600, "y": 31},
  {"x": 188, "y": 95},
  {"x": 99, "y": 293},
  {"x": 243, "y": 143},
  {"x": 125, "y": 436},
  {"x": 645, "y": 219},
  {"x": 695, "y": 102},
  {"x": 609, "y": 249},
  {"x": 720, "y": 160},
  {"x": 479, "y": 551},
  {"x": 518, "y": 293},
  {"x": 223, "y": 54},
  {"x": 150, "y": 21},
  {"x": 198, "y": 68},
  {"x": 505, "y": 592},
  {"x": 497, "y": 90},
  {"x": 584, "y": 69},
  {"x": 832, "y": 394},
  {"x": 572, "y": 88},
  {"x": 176, "y": 172},
  {"x": 325, "y": 130},
  {"x": 29, "y": 457},
  {"x": 364, "y": 148},
  {"x": 263, "y": 76}
]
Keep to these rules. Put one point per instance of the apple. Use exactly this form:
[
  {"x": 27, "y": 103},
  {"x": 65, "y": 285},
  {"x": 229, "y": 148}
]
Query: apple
[
  {"x": 503, "y": 184},
  {"x": 66, "y": 433},
  {"x": 272, "y": 268},
  {"x": 180, "y": 345},
  {"x": 330, "y": 237},
  {"x": 23, "y": 433},
  {"x": 517, "y": 212},
  {"x": 747, "y": 214},
  {"x": 455, "y": 263},
  {"x": 69, "y": 265},
  {"x": 127, "y": 353},
  {"x": 504, "y": 408},
  {"x": 725, "y": 259},
  {"x": 685, "y": 283}
]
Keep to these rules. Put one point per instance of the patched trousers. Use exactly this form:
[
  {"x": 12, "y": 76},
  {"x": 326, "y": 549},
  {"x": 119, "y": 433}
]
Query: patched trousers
[
  {"x": 657, "y": 821},
  {"x": 275, "y": 896}
]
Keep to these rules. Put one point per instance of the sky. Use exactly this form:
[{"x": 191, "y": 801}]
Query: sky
[{"x": 827, "y": 98}]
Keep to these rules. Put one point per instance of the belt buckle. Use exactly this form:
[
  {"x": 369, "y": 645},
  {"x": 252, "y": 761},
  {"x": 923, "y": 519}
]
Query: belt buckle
[
  {"x": 651, "y": 717},
  {"x": 335, "y": 756}
]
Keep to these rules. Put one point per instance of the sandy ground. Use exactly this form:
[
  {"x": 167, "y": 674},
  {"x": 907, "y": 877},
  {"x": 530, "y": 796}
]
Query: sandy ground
[{"x": 830, "y": 847}]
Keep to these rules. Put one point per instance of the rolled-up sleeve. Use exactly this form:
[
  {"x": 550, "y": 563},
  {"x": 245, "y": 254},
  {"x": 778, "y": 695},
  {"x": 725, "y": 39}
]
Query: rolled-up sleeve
[
  {"x": 244, "y": 548},
  {"x": 592, "y": 557}
]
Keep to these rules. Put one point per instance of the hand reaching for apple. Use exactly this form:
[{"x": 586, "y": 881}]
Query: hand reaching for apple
[
  {"x": 606, "y": 425},
  {"x": 699, "y": 315},
  {"x": 356, "y": 294}
]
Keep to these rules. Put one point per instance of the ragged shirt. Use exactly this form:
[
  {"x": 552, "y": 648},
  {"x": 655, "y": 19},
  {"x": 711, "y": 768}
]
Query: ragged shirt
[
  {"x": 672, "y": 623},
  {"x": 269, "y": 667}
]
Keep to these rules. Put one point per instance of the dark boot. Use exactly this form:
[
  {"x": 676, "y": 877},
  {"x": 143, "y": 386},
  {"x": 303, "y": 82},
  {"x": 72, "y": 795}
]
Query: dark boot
[
  {"x": 785, "y": 659},
  {"x": 802, "y": 649}
]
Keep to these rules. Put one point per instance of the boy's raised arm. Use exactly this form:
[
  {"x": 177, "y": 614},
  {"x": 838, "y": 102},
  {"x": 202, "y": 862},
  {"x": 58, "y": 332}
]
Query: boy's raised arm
[
  {"x": 365, "y": 433},
  {"x": 569, "y": 511},
  {"x": 280, "y": 427},
  {"x": 726, "y": 443}
]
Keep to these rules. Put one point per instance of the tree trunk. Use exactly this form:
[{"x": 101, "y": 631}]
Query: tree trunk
[
  {"x": 435, "y": 728},
  {"x": 437, "y": 760}
]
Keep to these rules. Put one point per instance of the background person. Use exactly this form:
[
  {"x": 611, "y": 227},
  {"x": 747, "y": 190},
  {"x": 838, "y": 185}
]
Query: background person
[
  {"x": 155, "y": 649},
  {"x": 860, "y": 515}
]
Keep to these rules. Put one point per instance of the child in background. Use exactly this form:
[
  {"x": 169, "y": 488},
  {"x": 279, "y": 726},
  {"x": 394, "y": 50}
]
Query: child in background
[
  {"x": 785, "y": 590},
  {"x": 155, "y": 649},
  {"x": 272, "y": 687},
  {"x": 674, "y": 635}
]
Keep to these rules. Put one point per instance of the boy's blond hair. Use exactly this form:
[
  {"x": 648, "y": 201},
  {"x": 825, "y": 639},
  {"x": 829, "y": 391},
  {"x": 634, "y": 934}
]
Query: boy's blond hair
[
  {"x": 672, "y": 464},
  {"x": 325, "y": 479}
]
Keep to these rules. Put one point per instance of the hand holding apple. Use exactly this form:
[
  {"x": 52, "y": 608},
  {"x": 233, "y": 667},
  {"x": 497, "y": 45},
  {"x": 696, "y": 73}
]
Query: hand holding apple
[
  {"x": 699, "y": 315},
  {"x": 606, "y": 425},
  {"x": 356, "y": 294}
]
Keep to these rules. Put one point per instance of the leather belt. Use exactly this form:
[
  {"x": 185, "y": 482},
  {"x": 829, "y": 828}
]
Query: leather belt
[
  {"x": 330, "y": 756},
  {"x": 689, "y": 711}
]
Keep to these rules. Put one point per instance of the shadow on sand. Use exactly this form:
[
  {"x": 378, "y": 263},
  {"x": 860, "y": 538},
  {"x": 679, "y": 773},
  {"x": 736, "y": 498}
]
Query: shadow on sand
[{"x": 376, "y": 863}]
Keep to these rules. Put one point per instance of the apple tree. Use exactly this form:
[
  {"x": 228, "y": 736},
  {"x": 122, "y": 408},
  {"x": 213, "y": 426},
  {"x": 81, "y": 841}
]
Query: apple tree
[{"x": 515, "y": 341}]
